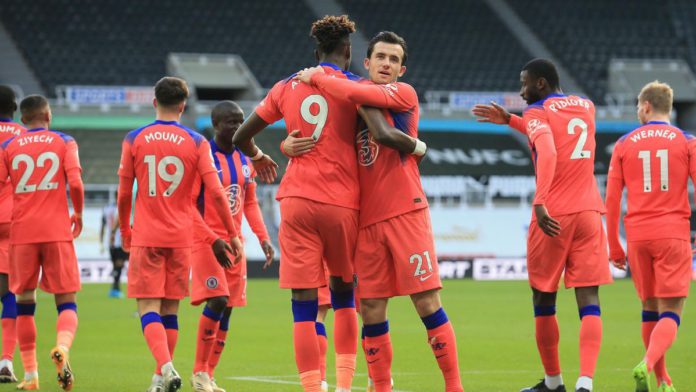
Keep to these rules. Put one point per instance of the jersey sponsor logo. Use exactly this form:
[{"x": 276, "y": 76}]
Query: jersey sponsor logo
[
  {"x": 368, "y": 149},
  {"x": 532, "y": 126},
  {"x": 391, "y": 88},
  {"x": 234, "y": 196},
  {"x": 211, "y": 283}
]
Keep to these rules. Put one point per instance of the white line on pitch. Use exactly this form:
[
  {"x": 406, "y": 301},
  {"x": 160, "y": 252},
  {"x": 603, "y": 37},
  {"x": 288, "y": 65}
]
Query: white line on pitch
[{"x": 276, "y": 381}]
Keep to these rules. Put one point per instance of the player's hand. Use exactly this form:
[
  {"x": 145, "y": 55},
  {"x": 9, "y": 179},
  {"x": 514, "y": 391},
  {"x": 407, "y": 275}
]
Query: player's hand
[
  {"x": 619, "y": 263},
  {"x": 237, "y": 249},
  {"x": 294, "y": 146},
  {"x": 76, "y": 223},
  {"x": 220, "y": 249},
  {"x": 269, "y": 252},
  {"x": 492, "y": 113},
  {"x": 547, "y": 224},
  {"x": 266, "y": 168},
  {"x": 126, "y": 241},
  {"x": 306, "y": 74}
]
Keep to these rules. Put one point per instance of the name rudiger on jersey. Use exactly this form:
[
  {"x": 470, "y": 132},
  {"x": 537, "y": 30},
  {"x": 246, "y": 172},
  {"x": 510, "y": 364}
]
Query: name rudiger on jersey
[{"x": 559, "y": 104}]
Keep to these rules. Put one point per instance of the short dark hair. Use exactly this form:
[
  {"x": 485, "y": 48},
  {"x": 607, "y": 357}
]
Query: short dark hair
[
  {"x": 8, "y": 101},
  {"x": 171, "y": 91},
  {"x": 543, "y": 68},
  {"x": 222, "y": 108},
  {"x": 31, "y": 106},
  {"x": 389, "y": 37},
  {"x": 331, "y": 31}
]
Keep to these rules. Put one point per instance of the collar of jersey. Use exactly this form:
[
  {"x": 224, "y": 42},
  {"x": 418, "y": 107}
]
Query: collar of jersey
[
  {"x": 5, "y": 119},
  {"x": 331, "y": 65},
  {"x": 36, "y": 129},
  {"x": 166, "y": 122},
  {"x": 541, "y": 101},
  {"x": 657, "y": 122}
]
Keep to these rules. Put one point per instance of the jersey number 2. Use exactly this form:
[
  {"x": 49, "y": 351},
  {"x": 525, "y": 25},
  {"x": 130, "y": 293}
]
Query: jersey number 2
[
  {"x": 45, "y": 184},
  {"x": 319, "y": 119},
  {"x": 578, "y": 152},
  {"x": 154, "y": 169}
]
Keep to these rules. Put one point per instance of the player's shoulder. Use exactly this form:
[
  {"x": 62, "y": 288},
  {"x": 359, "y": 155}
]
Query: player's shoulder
[
  {"x": 62, "y": 135},
  {"x": 194, "y": 135}
]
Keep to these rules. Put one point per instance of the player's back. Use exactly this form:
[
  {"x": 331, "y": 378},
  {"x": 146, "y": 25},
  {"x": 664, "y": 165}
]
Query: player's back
[
  {"x": 572, "y": 122},
  {"x": 8, "y": 130},
  {"x": 37, "y": 162},
  {"x": 655, "y": 164},
  {"x": 329, "y": 172},
  {"x": 165, "y": 161}
]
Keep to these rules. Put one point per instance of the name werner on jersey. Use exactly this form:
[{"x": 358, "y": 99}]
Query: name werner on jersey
[
  {"x": 665, "y": 133},
  {"x": 559, "y": 104},
  {"x": 164, "y": 136}
]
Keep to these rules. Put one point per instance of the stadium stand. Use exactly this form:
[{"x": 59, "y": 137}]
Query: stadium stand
[
  {"x": 453, "y": 44},
  {"x": 586, "y": 34},
  {"x": 112, "y": 42},
  {"x": 100, "y": 152}
]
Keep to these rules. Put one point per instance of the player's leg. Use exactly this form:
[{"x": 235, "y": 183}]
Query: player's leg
[
  {"x": 9, "y": 331},
  {"x": 650, "y": 316},
  {"x": 118, "y": 260},
  {"x": 9, "y": 309},
  {"x": 338, "y": 228},
  {"x": 26, "y": 338},
  {"x": 66, "y": 327},
  {"x": 305, "y": 307},
  {"x": 322, "y": 339},
  {"x": 670, "y": 279},
  {"x": 147, "y": 283},
  {"x": 302, "y": 270},
  {"x": 590, "y": 333},
  {"x": 24, "y": 277},
  {"x": 378, "y": 347},
  {"x": 219, "y": 346}
]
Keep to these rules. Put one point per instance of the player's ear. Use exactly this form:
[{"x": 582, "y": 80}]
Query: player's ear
[
  {"x": 402, "y": 71},
  {"x": 154, "y": 102},
  {"x": 366, "y": 63},
  {"x": 182, "y": 107}
]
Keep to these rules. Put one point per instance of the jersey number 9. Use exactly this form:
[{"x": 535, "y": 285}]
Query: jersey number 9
[{"x": 319, "y": 119}]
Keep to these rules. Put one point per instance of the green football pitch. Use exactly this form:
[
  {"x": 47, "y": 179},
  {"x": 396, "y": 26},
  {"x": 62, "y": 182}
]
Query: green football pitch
[{"x": 493, "y": 322}]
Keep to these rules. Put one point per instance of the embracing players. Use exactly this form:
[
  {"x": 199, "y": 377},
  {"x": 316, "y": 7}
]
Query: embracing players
[
  {"x": 39, "y": 163},
  {"x": 223, "y": 288},
  {"x": 319, "y": 201},
  {"x": 395, "y": 251},
  {"x": 165, "y": 157},
  {"x": 566, "y": 234},
  {"x": 654, "y": 163}
]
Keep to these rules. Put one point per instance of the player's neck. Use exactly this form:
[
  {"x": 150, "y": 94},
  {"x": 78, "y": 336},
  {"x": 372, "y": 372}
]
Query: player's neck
[
  {"x": 658, "y": 118},
  {"x": 163, "y": 115},
  {"x": 225, "y": 145},
  {"x": 37, "y": 125},
  {"x": 333, "y": 59}
]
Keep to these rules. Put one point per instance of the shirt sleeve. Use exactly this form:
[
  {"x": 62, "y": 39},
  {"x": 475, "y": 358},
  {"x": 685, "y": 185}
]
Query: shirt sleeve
[
  {"x": 205, "y": 159},
  {"x": 4, "y": 170},
  {"x": 253, "y": 214},
  {"x": 535, "y": 124},
  {"x": 125, "y": 167},
  {"x": 517, "y": 124},
  {"x": 72, "y": 158},
  {"x": 269, "y": 108},
  {"x": 616, "y": 165},
  {"x": 615, "y": 187},
  {"x": 545, "y": 167},
  {"x": 396, "y": 96}
]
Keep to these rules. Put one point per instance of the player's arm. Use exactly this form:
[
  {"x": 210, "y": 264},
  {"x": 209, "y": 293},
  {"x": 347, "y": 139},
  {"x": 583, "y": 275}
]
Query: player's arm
[
  {"x": 389, "y": 136},
  {"x": 497, "y": 114},
  {"x": 252, "y": 212},
  {"x": 542, "y": 140},
  {"x": 615, "y": 186},
  {"x": 124, "y": 199},
  {"x": 73, "y": 172},
  {"x": 266, "y": 113},
  {"x": 203, "y": 232}
]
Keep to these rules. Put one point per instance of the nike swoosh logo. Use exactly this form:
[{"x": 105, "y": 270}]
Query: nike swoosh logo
[
  {"x": 424, "y": 278},
  {"x": 371, "y": 362},
  {"x": 440, "y": 356}
]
